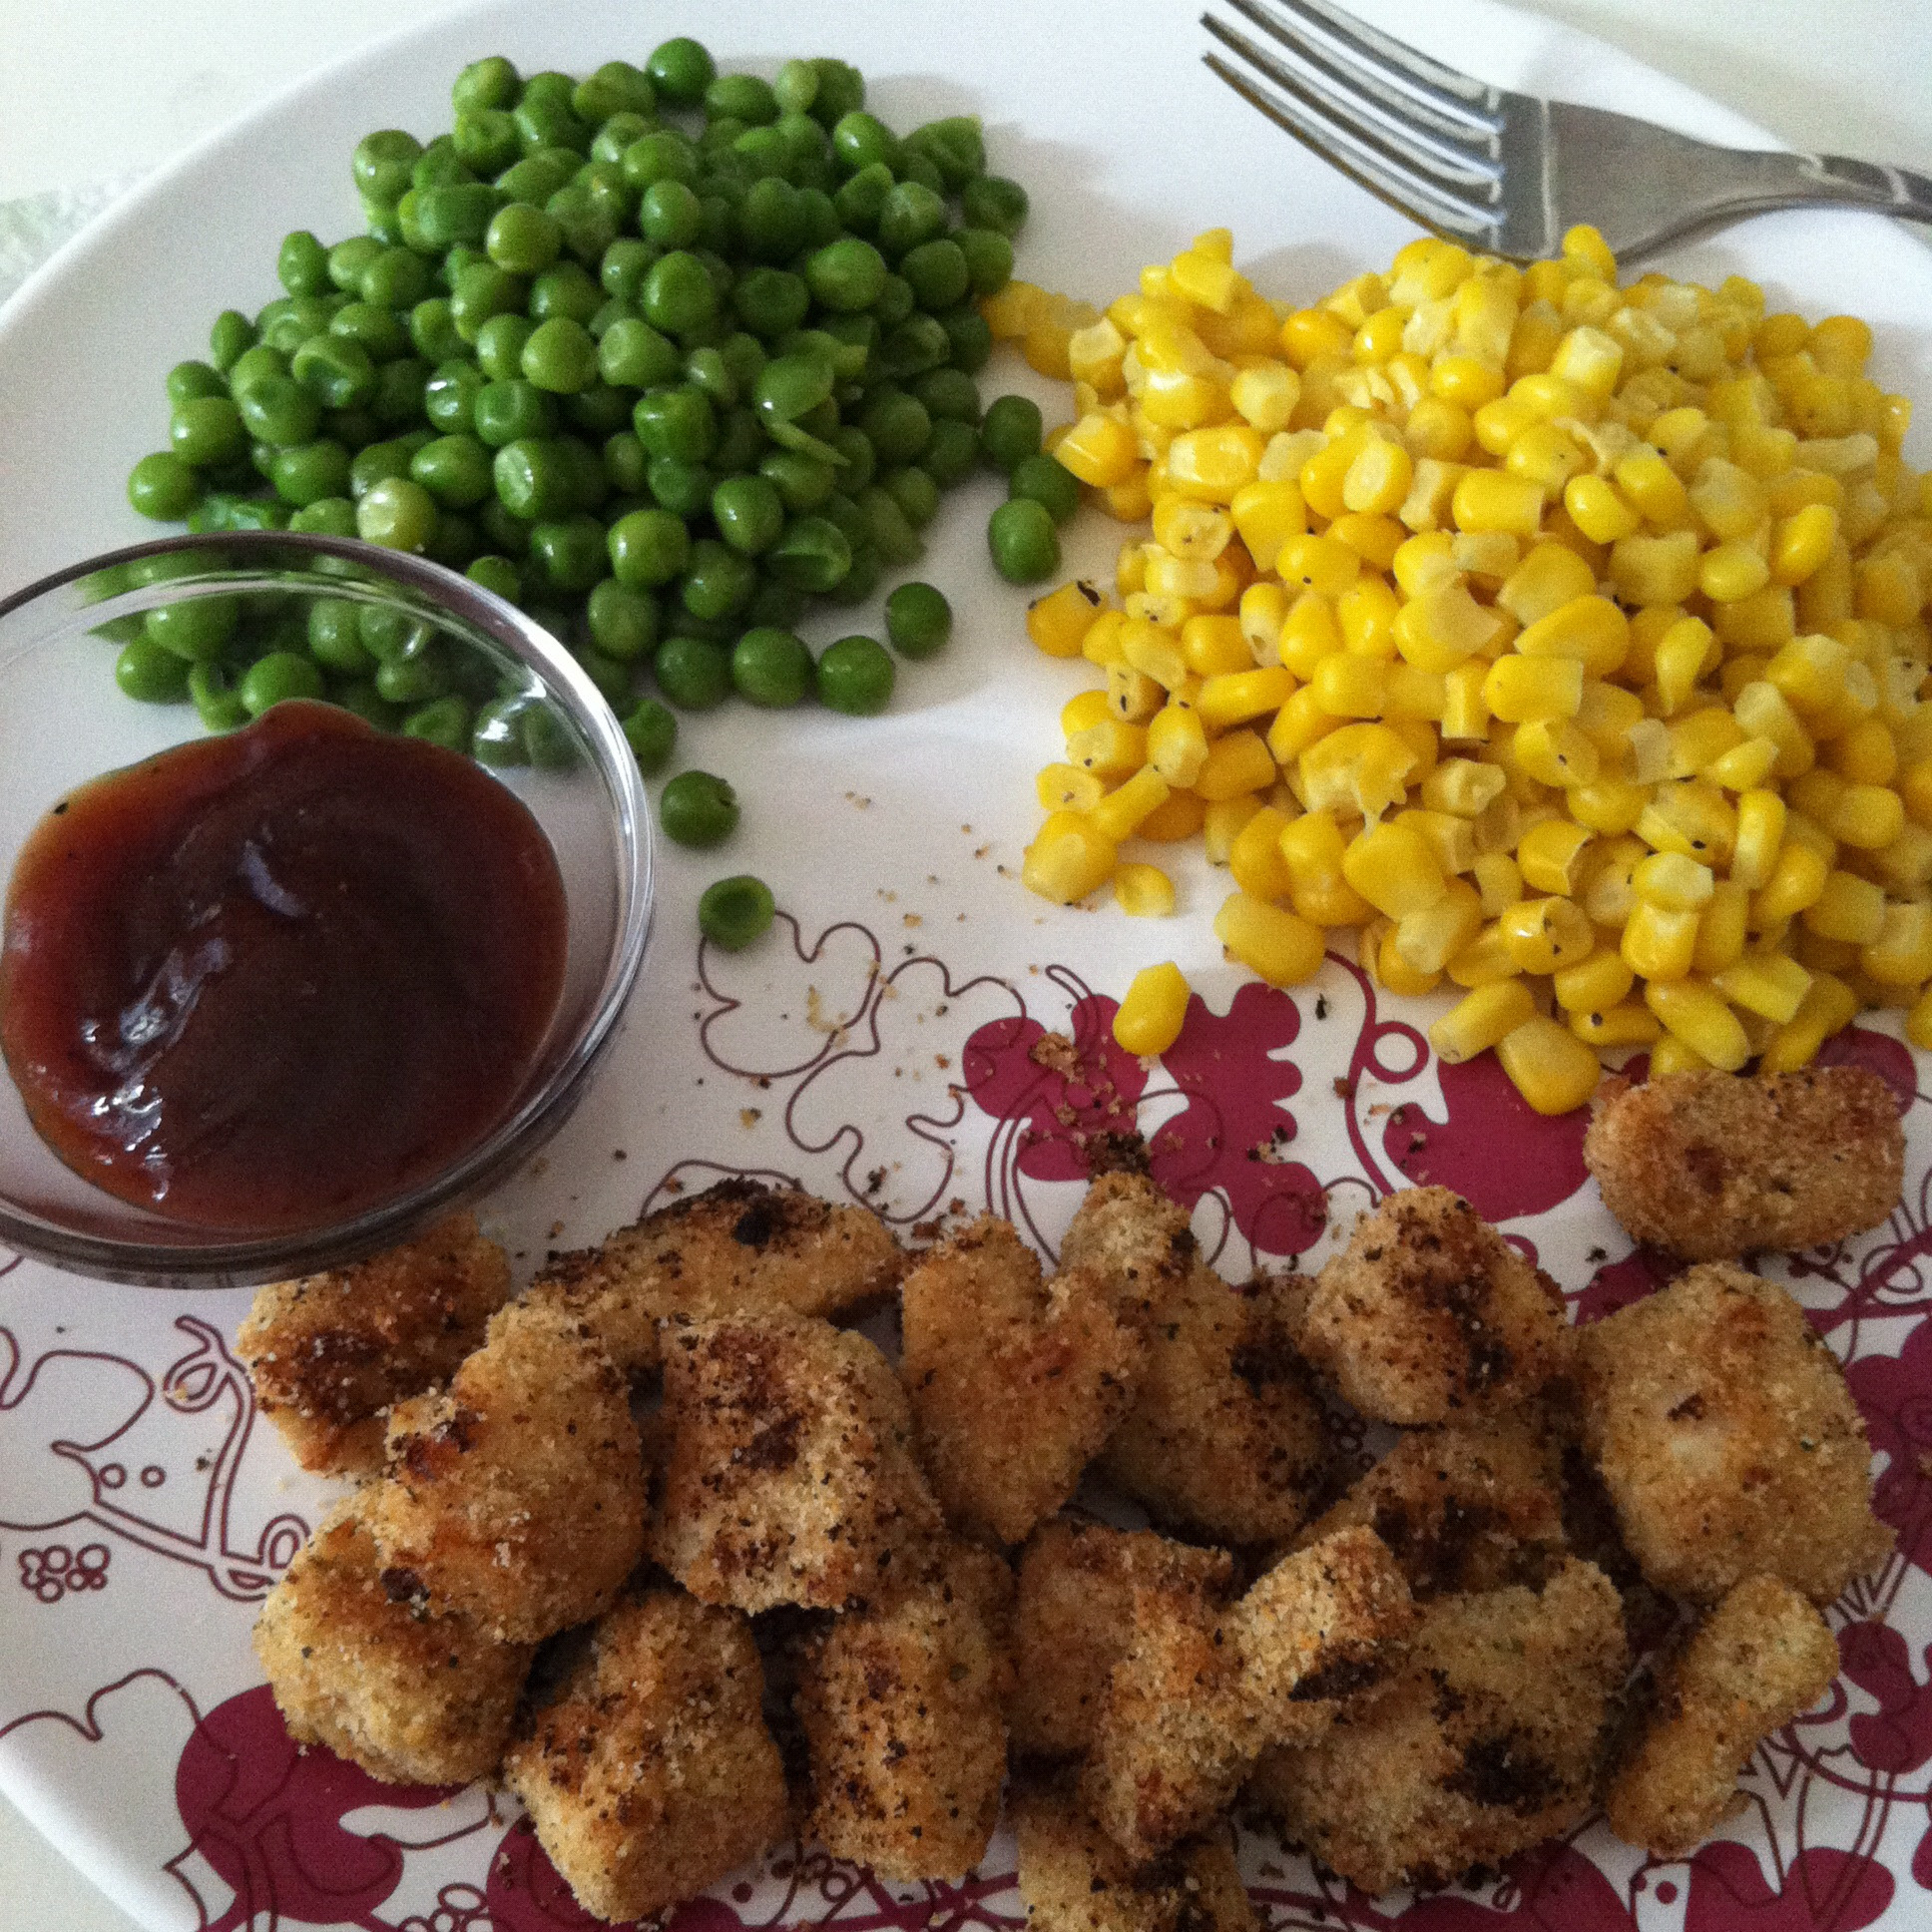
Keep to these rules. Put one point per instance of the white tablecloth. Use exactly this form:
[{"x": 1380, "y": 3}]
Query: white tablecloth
[{"x": 93, "y": 92}]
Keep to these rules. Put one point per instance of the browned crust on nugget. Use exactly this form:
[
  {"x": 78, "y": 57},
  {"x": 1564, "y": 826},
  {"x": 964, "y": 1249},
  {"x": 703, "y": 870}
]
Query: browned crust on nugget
[
  {"x": 790, "y": 1476},
  {"x": 1073, "y": 1616},
  {"x": 518, "y": 1496},
  {"x": 1074, "y": 1877},
  {"x": 1761, "y": 1657},
  {"x": 740, "y": 1247},
  {"x": 1129, "y": 1232},
  {"x": 1430, "y": 1313},
  {"x": 1727, "y": 1439},
  {"x": 1469, "y": 1506},
  {"x": 329, "y": 1353},
  {"x": 1486, "y": 1742},
  {"x": 1226, "y": 1439},
  {"x": 412, "y": 1697},
  {"x": 900, "y": 1707},
  {"x": 1015, "y": 1383},
  {"x": 1711, "y": 1166},
  {"x": 650, "y": 1772}
]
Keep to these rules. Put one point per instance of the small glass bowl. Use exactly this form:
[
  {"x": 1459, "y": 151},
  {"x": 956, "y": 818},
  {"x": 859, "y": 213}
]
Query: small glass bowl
[{"x": 541, "y": 728}]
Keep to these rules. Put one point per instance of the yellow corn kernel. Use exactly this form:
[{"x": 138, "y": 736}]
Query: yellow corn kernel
[
  {"x": 1132, "y": 694},
  {"x": 1866, "y": 816},
  {"x": 1299, "y": 724},
  {"x": 1657, "y": 944},
  {"x": 1608, "y": 806},
  {"x": 1214, "y": 464},
  {"x": 1593, "y": 984},
  {"x": 1256, "y": 857},
  {"x": 1499, "y": 879},
  {"x": 1521, "y": 690},
  {"x": 1761, "y": 833},
  {"x": 1866, "y": 755},
  {"x": 1213, "y": 644},
  {"x": 1729, "y": 502},
  {"x": 1059, "y": 622},
  {"x": 1367, "y": 613},
  {"x": 1555, "y": 752},
  {"x": 1450, "y": 838},
  {"x": 1731, "y": 572},
  {"x": 1722, "y": 928},
  {"x": 1222, "y": 822},
  {"x": 1148, "y": 1020},
  {"x": 1588, "y": 628},
  {"x": 1550, "y": 855},
  {"x": 1113, "y": 749},
  {"x": 1377, "y": 478},
  {"x": 1495, "y": 500},
  {"x": 1081, "y": 713},
  {"x": 1265, "y": 396},
  {"x": 1142, "y": 892},
  {"x": 1376, "y": 950},
  {"x": 1099, "y": 449},
  {"x": 1544, "y": 934},
  {"x": 1426, "y": 941},
  {"x": 1205, "y": 279},
  {"x": 1119, "y": 814},
  {"x": 1650, "y": 483},
  {"x": 1695, "y": 1013},
  {"x": 1444, "y": 627},
  {"x": 1801, "y": 542},
  {"x": 1317, "y": 564},
  {"x": 1185, "y": 528},
  {"x": 1275, "y": 944},
  {"x": 1548, "y": 1066},
  {"x": 1700, "y": 740},
  {"x": 1761, "y": 708},
  {"x": 1671, "y": 1055},
  {"x": 1546, "y": 455},
  {"x": 1068, "y": 787},
  {"x": 1177, "y": 743},
  {"x": 1313, "y": 846},
  {"x": 1550, "y": 576},
  {"x": 1393, "y": 867},
  {"x": 1628, "y": 1023},
  {"x": 1482, "y": 1018},
  {"x": 1094, "y": 355},
  {"x": 1356, "y": 768},
  {"x": 1828, "y": 1007},
  {"x": 1901, "y": 955},
  {"x": 1691, "y": 818},
  {"x": 1181, "y": 817},
  {"x": 1101, "y": 642},
  {"x": 1069, "y": 857},
  {"x": 1797, "y": 881},
  {"x": 1129, "y": 501},
  {"x": 1236, "y": 763},
  {"x": 1598, "y": 511},
  {"x": 1044, "y": 348},
  {"x": 1268, "y": 514},
  {"x": 1373, "y": 538},
  {"x": 1310, "y": 633},
  {"x": 1486, "y": 960},
  {"x": 1680, "y": 657},
  {"x": 1918, "y": 1022},
  {"x": 1847, "y": 908},
  {"x": 1769, "y": 984},
  {"x": 1655, "y": 570},
  {"x": 1672, "y": 883},
  {"x": 1465, "y": 711},
  {"x": 1013, "y": 310},
  {"x": 1746, "y": 766},
  {"x": 1235, "y": 697},
  {"x": 1463, "y": 787},
  {"x": 1346, "y": 685}
]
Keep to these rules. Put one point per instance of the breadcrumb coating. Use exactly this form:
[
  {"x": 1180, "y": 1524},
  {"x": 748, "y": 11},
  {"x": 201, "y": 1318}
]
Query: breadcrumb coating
[
  {"x": 329, "y": 1353},
  {"x": 900, "y": 1707},
  {"x": 1074, "y": 1877},
  {"x": 413, "y": 1698},
  {"x": 1073, "y": 1616},
  {"x": 1429, "y": 1313},
  {"x": 1468, "y": 1506},
  {"x": 1711, "y": 1166},
  {"x": 1127, "y": 1232},
  {"x": 1485, "y": 1742},
  {"x": 1015, "y": 1384},
  {"x": 1226, "y": 1439},
  {"x": 1319, "y": 1627},
  {"x": 1761, "y": 1657},
  {"x": 740, "y": 1247},
  {"x": 649, "y": 1772},
  {"x": 789, "y": 1475},
  {"x": 518, "y": 1496},
  {"x": 1727, "y": 1439}
]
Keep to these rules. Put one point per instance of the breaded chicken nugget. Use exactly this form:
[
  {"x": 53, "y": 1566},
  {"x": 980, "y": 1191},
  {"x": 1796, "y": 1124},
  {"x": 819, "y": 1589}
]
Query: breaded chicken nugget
[
  {"x": 1469, "y": 1506},
  {"x": 1727, "y": 1439},
  {"x": 1319, "y": 1627},
  {"x": 1074, "y": 1615},
  {"x": 790, "y": 1476},
  {"x": 412, "y": 1697},
  {"x": 1711, "y": 1166},
  {"x": 1225, "y": 1438},
  {"x": 1016, "y": 1383},
  {"x": 329, "y": 1353},
  {"x": 1127, "y": 1232},
  {"x": 518, "y": 1496},
  {"x": 1074, "y": 1877},
  {"x": 740, "y": 1247},
  {"x": 1762, "y": 1655},
  {"x": 900, "y": 1707},
  {"x": 650, "y": 1772},
  {"x": 1430, "y": 1313},
  {"x": 1177, "y": 1732},
  {"x": 1485, "y": 1742}
]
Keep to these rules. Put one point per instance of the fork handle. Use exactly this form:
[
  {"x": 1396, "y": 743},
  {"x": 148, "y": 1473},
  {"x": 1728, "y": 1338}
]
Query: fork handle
[{"x": 1761, "y": 182}]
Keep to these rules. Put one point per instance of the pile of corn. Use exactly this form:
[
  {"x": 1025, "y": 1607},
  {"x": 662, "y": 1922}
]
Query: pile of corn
[{"x": 1565, "y": 640}]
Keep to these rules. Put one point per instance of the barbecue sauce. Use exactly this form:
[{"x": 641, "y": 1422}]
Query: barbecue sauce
[{"x": 264, "y": 981}]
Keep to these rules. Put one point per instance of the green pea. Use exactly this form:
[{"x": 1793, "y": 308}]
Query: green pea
[
  {"x": 197, "y": 629},
  {"x": 301, "y": 267},
  {"x": 217, "y": 703},
  {"x": 854, "y": 676},
  {"x": 568, "y": 554},
  {"x": 536, "y": 177},
  {"x": 150, "y": 672},
  {"x": 1056, "y": 489},
  {"x": 918, "y": 620},
  {"x": 433, "y": 332},
  {"x": 663, "y": 155},
  {"x": 956, "y": 147},
  {"x": 860, "y": 199},
  {"x": 230, "y": 337},
  {"x": 449, "y": 397},
  {"x": 993, "y": 202},
  {"x": 795, "y": 87},
  {"x": 909, "y": 215},
  {"x": 813, "y": 554},
  {"x": 560, "y": 356},
  {"x": 335, "y": 638},
  {"x": 455, "y": 470},
  {"x": 623, "y": 266},
  {"x": 685, "y": 489},
  {"x": 734, "y": 912},
  {"x": 508, "y": 412},
  {"x": 680, "y": 70},
  {"x": 486, "y": 139},
  {"x": 308, "y": 473},
  {"x": 772, "y": 668},
  {"x": 969, "y": 339},
  {"x": 647, "y": 549},
  {"x": 770, "y": 221},
  {"x": 679, "y": 424},
  {"x": 678, "y": 294},
  {"x": 498, "y": 575},
  {"x": 802, "y": 482},
  {"x": 277, "y": 409},
  {"x": 397, "y": 514},
  {"x": 523, "y": 239},
  {"x": 497, "y": 732},
  {"x": 939, "y": 273},
  {"x": 399, "y": 386},
  {"x": 207, "y": 431},
  {"x": 532, "y": 481},
  {"x": 445, "y": 721},
  {"x": 633, "y": 356},
  {"x": 919, "y": 343},
  {"x": 491, "y": 82},
  {"x": 749, "y": 512},
  {"x": 588, "y": 222},
  {"x": 841, "y": 91},
  {"x": 624, "y": 622},
  {"x": 279, "y": 677},
  {"x": 791, "y": 387},
  {"x": 695, "y": 675},
  {"x": 846, "y": 276},
  {"x": 616, "y": 88},
  {"x": 414, "y": 681},
  {"x": 670, "y": 214},
  {"x": 988, "y": 256},
  {"x": 860, "y": 140},
  {"x": 395, "y": 279},
  {"x": 742, "y": 355},
  {"x": 920, "y": 169},
  {"x": 627, "y": 463},
  {"x": 1023, "y": 541},
  {"x": 377, "y": 462},
  {"x": 480, "y": 291},
  {"x": 549, "y": 121},
  {"x": 915, "y": 491},
  {"x": 887, "y": 528},
  {"x": 347, "y": 260},
  {"x": 897, "y": 426},
  {"x": 228, "y": 510},
  {"x": 705, "y": 370},
  {"x": 566, "y": 290},
  {"x": 613, "y": 680},
  {"x": 187, "y": 381},
  {"x": 717, "y": 582},
  {"x": 1011, "y": 431},
  {"x": 860, "y": 460},
  {"x": 162, "y": 486},
  {"x": 332, "y": 516}
]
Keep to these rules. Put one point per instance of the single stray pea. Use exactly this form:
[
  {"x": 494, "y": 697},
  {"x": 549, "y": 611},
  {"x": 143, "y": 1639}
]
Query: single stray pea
[
  {"x": 1049, "y": 483},
  {"x": 918, "y": 620},
  {"x": 652, "y": 731},
  {"x": 855, "y": 677},
  {"x": 1024, "y": 543},
  {"x": 733, "y": 912},
  {"x": 698, "y": 810}
]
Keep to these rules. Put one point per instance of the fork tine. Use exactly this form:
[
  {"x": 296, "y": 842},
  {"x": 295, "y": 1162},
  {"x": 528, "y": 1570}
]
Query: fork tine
[
  {"x": 1384, "y": 170},
  {"x": 1437, "y": 212},
  {"x": 1443, "y": 87},
  {"x": 1392, "y": 118},
  {"x": 1345, "y": 64}
]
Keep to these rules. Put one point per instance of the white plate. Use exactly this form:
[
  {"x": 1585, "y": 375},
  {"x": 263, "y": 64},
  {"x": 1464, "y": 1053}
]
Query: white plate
[{"x": 141, "y": 1513}]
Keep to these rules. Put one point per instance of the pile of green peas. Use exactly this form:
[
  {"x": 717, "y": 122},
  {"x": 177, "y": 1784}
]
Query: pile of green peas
[{"x": 660, "y": 355}]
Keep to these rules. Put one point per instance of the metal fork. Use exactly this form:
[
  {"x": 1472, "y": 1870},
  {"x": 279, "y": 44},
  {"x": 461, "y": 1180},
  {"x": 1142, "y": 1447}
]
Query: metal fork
[{"x": 1507, "y": 173}]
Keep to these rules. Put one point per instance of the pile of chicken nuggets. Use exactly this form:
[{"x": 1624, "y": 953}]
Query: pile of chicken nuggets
[{"x": 680, "y": 1557}]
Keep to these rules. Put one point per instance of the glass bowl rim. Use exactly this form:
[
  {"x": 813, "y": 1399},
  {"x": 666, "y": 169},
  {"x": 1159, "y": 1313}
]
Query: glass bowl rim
[{"x": 246, "y": 1260}]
